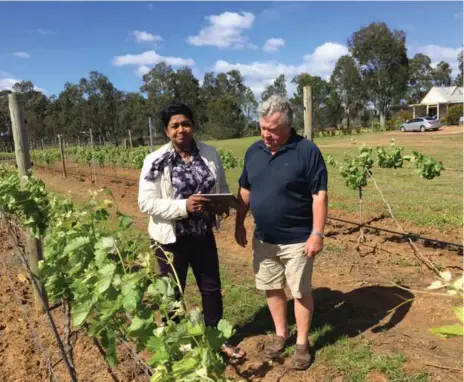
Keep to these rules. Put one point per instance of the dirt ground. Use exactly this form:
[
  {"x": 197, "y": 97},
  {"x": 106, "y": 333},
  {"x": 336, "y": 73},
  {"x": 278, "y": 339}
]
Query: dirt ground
[
  {"x": 353, "y": 293},
  {"x": 26, "y": 337}
]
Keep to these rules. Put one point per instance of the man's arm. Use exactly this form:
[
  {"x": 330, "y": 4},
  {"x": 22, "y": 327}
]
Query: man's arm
[
  {"x": 320, "y": 207},
  {"x": 315, "y": 244},
  {"x": 240, "y": 231}
]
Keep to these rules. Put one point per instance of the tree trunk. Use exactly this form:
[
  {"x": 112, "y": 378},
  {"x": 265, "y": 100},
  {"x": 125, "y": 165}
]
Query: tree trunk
[{"x": 382, "y": 119}]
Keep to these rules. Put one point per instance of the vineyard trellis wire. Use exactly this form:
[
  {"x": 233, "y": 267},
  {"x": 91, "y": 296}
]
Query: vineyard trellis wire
[
  {"x": 35, "y": 336},
  {"x": 105, "y": 276},
  {"x": 51, "y": 321}
]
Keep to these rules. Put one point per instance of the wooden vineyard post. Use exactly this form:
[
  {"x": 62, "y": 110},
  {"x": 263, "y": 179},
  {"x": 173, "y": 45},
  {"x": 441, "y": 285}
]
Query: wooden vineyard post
[
  {"x": 150, "y": 128},
  {"x": 308, "y": 112},
  {"x": 63, "y": 159},
  {"x": 23, "y": 160},
  {"x": 93, "y": 158},
  {"x": 130, "y": 139}
]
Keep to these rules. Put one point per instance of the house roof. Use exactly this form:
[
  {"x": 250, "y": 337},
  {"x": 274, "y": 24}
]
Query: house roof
[{"x": 446, "y": 94}]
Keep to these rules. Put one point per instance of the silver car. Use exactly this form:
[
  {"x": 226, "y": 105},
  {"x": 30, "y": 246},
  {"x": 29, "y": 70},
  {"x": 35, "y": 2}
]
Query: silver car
[{"x": 420, "y": 124}]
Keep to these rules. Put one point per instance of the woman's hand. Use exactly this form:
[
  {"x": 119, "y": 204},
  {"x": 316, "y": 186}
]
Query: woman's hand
[{"x": 197, "y": 203}]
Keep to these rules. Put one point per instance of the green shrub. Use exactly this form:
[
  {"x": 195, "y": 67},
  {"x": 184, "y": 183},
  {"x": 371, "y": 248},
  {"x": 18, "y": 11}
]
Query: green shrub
[{"x": 454, "y": 113}]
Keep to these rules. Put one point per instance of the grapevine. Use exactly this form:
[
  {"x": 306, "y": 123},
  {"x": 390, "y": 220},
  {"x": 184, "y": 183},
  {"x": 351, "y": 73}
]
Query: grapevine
[
  {"x": 111, "y": 285},
  {"x": 357, "y": 170}
]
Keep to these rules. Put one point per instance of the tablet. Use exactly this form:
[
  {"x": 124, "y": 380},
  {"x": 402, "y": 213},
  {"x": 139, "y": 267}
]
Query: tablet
[{"x": 228, "y": 200}]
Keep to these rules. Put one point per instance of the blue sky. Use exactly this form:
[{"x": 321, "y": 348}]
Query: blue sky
[{"x": 52, "y": 43}]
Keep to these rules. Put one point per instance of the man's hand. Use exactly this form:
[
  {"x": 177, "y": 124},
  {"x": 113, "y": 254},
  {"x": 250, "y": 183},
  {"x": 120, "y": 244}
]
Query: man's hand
[
  {"x": 241, "y": 235},
  {"x": 314, "y": 245},
  {"x": 197, "y": 203}
]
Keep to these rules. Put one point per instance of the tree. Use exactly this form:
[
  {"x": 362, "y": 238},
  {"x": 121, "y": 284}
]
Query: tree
[
  {"x": 320, "y": 90},
  {"x": 35, "y": 107},
  {"x": 346, "y": 81},
  {"x": 333, "y": 109},
  {"x": 441, "y": 74},
  {"x": 5, "y": 121},
  {"x": 420, "y": 77},
  {"x": 381, "y": 53},
  {"x": 225, "y": 118},
  {"x": 277, "y": 88},
  {"x": 458, "y": 81}
]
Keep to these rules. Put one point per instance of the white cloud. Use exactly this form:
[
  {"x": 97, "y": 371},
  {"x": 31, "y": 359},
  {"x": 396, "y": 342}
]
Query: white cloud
[
  {"x": 45, "y": 32},
  {"x": 322, "y": 61},
  {"x": 261, "y": 74},
  {"x": 438, "y": 53},
  {"x": 22, "y": 54},
  {"x": 142, "y": 70},
  {"x": 459, "y": 15},
  {"x": 142, "y": 36},
  {"x": 8, "y": 83},
  {"x": 224, "y": 31},
  {"x": 150, "y": 57},
  {"x": 150, "y": 6},
  {"x": 272, "y": 45}
]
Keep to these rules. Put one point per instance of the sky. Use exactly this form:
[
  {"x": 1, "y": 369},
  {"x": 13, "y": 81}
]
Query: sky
[{"x": 52, "y": 43}]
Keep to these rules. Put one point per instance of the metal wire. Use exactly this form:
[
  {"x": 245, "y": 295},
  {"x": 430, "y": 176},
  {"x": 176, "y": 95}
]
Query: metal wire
[
  {"x": 412, "y": 236},
  {"x": 35, "y": 336},
  {"x": 51, "y": 321}
]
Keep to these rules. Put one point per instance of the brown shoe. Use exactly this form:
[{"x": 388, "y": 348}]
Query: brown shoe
[
  {"x": 302, "y": 358},
  {"x": 275, "y": 347}
]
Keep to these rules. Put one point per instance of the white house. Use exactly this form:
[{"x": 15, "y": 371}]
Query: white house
[{"x": 438, "y": 100}]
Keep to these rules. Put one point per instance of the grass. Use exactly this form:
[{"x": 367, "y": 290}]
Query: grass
[
  {"x": 245, "y": 307},
  {"x": 435, "y": 203},
  {"x": 355, "y": 359}
]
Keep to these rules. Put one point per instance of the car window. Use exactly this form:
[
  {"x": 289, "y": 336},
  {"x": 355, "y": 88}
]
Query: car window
[{"x": 430, "y": 119}]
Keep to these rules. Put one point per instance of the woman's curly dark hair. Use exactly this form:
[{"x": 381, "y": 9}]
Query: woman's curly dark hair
[{"x": 175, "y": 108}]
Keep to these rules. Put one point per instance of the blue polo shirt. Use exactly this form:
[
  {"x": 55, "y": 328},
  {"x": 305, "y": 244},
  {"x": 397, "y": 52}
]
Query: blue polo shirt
[{"x": 281, "y": 188}]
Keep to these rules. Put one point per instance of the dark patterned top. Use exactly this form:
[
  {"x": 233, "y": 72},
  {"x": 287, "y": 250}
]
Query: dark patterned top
[{"x": 191, "y": 178}]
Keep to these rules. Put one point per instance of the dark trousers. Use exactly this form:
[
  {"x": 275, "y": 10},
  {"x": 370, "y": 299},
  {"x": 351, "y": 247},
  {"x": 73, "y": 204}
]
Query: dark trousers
[{"x": 201, "y": 253}]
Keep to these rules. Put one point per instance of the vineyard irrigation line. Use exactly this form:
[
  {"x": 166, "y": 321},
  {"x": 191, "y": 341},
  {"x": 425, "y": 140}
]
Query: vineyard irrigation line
[
  {"x": 408, "y": 235},
  {"x": 35, "y": 336},
  {"x": 51, "y": 321},
  {"x": 413, "y": 236}
]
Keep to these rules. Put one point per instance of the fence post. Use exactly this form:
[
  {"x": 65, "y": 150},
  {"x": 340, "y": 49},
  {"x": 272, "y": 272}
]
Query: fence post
[
  {"x": 93, "y": 158},
  {"x": 130, "y": 139},
  {"x": 308, "y": 112},
  {"x": 150, "y": 129},
  {"x": 63, "y": 161},
  {"x": 23, "y": 160}
]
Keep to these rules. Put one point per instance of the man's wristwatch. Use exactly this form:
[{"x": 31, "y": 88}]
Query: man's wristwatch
[{"x": 319, "y": 234}]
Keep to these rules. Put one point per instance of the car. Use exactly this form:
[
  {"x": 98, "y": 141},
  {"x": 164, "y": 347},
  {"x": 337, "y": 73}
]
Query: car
[{"x": 420, "y": 124}]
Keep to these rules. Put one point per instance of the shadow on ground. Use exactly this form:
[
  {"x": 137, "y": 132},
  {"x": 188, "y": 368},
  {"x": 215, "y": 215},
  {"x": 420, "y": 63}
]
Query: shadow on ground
[{"x": 348, "y": 314}]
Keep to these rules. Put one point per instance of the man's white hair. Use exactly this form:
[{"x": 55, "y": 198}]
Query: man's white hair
[{"x": 274, "y": 104}]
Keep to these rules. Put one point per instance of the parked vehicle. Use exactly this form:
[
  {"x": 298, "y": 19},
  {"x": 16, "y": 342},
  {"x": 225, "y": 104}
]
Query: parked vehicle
[{"x": 420, "y": 124}]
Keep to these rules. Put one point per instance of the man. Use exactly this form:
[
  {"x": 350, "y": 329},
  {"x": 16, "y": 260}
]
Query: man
[{"x": 284, "y": 182}]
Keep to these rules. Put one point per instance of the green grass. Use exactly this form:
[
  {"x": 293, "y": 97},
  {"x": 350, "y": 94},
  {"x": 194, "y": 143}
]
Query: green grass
[
  {"x": 435, "y": 203},
  {"x": 355, "y": 359}
]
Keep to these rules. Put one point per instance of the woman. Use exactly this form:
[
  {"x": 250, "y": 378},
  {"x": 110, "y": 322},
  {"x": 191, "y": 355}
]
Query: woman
[{"x": 171, "y": 183}]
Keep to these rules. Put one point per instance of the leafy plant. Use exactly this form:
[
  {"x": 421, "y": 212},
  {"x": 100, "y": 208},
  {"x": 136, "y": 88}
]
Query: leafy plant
[
  {"x": 111, "y": 285},
  {"x": 427, "y": 167},
  {"x": 228, "y": 159},
  {"x": 454, "y": 288}
]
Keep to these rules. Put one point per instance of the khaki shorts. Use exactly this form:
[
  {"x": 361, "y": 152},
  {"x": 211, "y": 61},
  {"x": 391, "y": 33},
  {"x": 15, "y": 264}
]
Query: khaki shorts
[{"x": 277, "y": 265}]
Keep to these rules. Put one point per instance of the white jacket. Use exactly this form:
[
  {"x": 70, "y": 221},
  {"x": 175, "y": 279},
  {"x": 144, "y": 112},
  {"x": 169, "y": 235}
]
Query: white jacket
[{"x": 157, "y": 198}]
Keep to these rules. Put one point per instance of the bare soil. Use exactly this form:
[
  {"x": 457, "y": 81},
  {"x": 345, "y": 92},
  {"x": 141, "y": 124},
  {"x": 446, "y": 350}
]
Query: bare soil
[{"x": 353, "y": 293}]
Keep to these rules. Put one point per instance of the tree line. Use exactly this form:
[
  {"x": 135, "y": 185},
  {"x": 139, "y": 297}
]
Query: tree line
[{"x": 373, "y": 81}]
